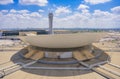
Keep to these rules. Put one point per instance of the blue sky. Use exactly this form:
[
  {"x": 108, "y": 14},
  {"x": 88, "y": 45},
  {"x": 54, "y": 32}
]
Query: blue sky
[
  {"x": 72, "y": 3},
  {"x": 67, "y": 13}
]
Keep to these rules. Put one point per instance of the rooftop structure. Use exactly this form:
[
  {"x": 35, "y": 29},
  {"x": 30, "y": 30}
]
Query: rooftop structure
[{"x": 63, "y": 40}]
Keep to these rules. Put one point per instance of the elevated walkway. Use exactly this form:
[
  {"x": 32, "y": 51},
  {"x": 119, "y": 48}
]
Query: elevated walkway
[{"x": 13, "y": 68}]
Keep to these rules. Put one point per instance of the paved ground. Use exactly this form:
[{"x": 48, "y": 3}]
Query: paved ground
[
  {"x": 5, "y": 57},
  {"x": 44, "y": 74}
]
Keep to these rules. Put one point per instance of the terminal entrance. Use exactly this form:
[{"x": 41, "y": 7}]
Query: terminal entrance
[{"x": 58, "y": 54}]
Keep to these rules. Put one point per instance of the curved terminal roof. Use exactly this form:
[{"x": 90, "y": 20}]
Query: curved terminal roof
[{"x": 62, "y": 40}]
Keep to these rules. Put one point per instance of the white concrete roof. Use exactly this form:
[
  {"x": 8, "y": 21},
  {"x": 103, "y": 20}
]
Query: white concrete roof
[{"x": 62, "y": 40}]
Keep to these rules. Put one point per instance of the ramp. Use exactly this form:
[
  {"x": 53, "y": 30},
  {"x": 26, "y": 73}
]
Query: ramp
[
  {"x": 82, "y": 55},
  {"x": 38, "y": 55},
  {"x": 30, "y": 53},
  {"x": 88, "y": 54}
]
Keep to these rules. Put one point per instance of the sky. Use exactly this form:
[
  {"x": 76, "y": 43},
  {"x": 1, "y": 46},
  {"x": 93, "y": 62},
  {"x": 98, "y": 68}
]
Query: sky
[{"x": 67, "y": 13}]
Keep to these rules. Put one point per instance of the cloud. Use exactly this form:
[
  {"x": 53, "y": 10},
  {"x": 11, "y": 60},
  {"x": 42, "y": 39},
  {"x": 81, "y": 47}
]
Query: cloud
[
  {"x": 35, "y": 14},
  {"x": 82, "y": 7},
  {"x": 4, "y": 2},
  {"x": 34, "y": 2},
  {"x": 77, "y": 19},
  {"x": 40, "y": 10},
  {"x": 62, "y": 10},
  {"x": 4, "y": 11},
  {"x": 23, "y": 14},
  {"x": 101, "y": 14},
  {"x": 116, "y": 10},
  {"x": 96, "y": 1},
  {"x": 21, "y": 19},
  {"x": 19, "y": 11}
]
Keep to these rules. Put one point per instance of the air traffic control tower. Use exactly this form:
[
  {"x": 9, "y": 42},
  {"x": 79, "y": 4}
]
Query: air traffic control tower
[{"x": 50, "y": 17}]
